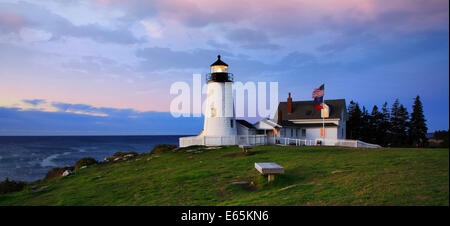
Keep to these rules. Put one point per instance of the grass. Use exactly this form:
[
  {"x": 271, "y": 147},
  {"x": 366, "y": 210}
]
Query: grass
[{"x": 199, "y": 176}]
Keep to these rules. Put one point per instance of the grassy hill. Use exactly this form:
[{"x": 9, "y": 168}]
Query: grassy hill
[{"x": 201, "y": 176}]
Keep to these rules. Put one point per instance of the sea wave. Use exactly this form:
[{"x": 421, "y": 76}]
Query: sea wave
[{"x": 49, "y": 161}]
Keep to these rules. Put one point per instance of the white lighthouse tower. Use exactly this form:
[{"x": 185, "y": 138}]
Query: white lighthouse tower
[{"x": 219, "y": 113}]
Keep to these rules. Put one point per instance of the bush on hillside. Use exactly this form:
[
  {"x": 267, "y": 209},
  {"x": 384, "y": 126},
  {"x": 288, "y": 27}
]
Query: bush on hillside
[
  {"x": 124, "y": 154},
  {"x": 161, "y": 148},
  {"x": 7, "y": 186},
  {"x": 85, "y": 162},
  {"x": 121, "y": 156},
  {"x": 57, "y": 172}
]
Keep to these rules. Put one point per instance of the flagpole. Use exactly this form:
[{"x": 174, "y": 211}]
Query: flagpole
[{"x": 323, "y": 114}]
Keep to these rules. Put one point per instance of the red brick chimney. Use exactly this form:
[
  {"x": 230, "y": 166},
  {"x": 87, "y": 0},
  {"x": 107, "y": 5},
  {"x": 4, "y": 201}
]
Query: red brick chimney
[{"x": 289, "y": 104}]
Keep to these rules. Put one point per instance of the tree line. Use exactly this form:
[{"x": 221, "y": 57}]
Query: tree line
[{"x": 388, "y": 127}]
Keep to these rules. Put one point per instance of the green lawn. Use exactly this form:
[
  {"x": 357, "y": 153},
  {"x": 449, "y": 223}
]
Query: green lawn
[{"x": 314, "y": 176}]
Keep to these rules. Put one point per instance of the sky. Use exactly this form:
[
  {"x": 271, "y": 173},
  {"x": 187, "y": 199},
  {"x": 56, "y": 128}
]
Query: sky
[{"x": 105, "y": 67}]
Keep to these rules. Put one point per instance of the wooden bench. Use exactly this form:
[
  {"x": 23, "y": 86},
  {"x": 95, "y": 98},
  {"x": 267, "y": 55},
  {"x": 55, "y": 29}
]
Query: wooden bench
[
  {"x": 245, "y": 148},
  {"x": 269, "y": 168}
]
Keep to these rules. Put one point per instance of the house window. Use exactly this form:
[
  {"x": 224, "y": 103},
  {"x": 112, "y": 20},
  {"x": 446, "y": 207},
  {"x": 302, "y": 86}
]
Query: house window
[
  {"x": 303, "y": 132},
  {"x": 231, "y": 123},
  {"x": 292, "y": 132},
  {"x": 282, "y": 132},
  {"x": 296, "y": 133}
]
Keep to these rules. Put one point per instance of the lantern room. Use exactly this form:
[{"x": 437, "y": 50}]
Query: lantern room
[
  {"x": 219, "y": 66},
  {"x": 219, "y": 72}
]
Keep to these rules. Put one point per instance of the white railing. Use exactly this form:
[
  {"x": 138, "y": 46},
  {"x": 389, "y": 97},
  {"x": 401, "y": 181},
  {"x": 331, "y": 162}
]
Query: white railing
[
  {"x": 325, "y": 142},
  {"x": 296, "y": 142},
  {"x": 226, "y": 140},
  {"x": 264, "y": 139}
]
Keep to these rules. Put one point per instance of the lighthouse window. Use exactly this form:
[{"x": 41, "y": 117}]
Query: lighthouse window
[{"x": 231, "y": 123}]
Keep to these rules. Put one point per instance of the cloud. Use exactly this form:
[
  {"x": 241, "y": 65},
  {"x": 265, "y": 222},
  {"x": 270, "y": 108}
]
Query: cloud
[
  {"x": 21, "y": 15},
  {"x": 251, "y": 39},
  {"x": 35, "y": 102},
  {"x": 216, "y": 44},
  {"x": 294, "y": 16},
  {"x": 157, "y": 58},
  {"x": 153, "y": 29},
  {"x": 15, "y": 121},
  {"x": 11, "y": 22}
]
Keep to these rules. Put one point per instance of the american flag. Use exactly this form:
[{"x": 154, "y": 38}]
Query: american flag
[{"x": 318, "y": 92}]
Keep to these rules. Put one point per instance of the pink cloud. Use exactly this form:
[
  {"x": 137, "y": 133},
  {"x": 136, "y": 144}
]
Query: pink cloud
[
  {"x": 11, "y": 21},
  {"x": 295, "y": 16}
]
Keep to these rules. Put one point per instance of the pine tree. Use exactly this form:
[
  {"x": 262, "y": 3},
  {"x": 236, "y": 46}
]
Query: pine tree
[
  {"x": 353, "y": 126},
  {"x": 365, "y": 125},
  {"x": 399, "y": 124},
  {"x": 384, "y": 130},
  {"x": 376, "y": 120},
  {"x": 418, "y": 128},
  {"x": 404, "y": 125}
]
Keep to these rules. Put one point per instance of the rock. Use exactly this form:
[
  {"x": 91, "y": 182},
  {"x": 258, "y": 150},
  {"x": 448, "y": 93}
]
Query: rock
[
  {"x": 116, "y": 159},
  {"x": 83, "y": 167},
  {"x": 41, "y": 189},
  {"x": 241, "y": 182},
  {"x": 337, "y": 171},
  {"x": 67, "y": 173},
  {"x": 285, "y": 188},
  {"x": 129, "y": 156}
]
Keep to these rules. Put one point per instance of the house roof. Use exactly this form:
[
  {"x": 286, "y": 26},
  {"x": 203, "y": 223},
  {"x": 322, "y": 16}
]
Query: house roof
[
  {"x": 245, "y": 123},
  {"x": 305, "y": 109},
  {"x": 266, "y": 124}
]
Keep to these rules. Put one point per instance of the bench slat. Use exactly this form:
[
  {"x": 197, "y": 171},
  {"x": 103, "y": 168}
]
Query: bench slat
[{"x": 269, "y": 168}]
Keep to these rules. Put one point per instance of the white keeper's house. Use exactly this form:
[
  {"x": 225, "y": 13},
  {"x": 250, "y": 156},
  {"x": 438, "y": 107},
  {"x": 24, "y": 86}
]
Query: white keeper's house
[
  {"x": 294, "y": 123},
  {"x": 299, "y": 119}
]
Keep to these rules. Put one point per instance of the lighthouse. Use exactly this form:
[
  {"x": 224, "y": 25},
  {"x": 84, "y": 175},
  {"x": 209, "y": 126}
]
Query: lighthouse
[
  {"x": 219, "y": 113},
  {"x": 221, "y": 126}
]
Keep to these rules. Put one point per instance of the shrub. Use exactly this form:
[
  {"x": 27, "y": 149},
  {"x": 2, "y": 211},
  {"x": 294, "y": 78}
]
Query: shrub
[
  {"x": 85, "y": 162},
  {"x": 121, "y": 156},
  {"x": 7, "y": 186},
  {"x": 161, "y": 148},
  {"x": 57, "y": 172}
]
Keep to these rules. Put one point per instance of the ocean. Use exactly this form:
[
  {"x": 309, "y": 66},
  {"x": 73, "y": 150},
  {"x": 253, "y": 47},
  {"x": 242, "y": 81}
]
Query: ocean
[{"x": 29, "y": 158}]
